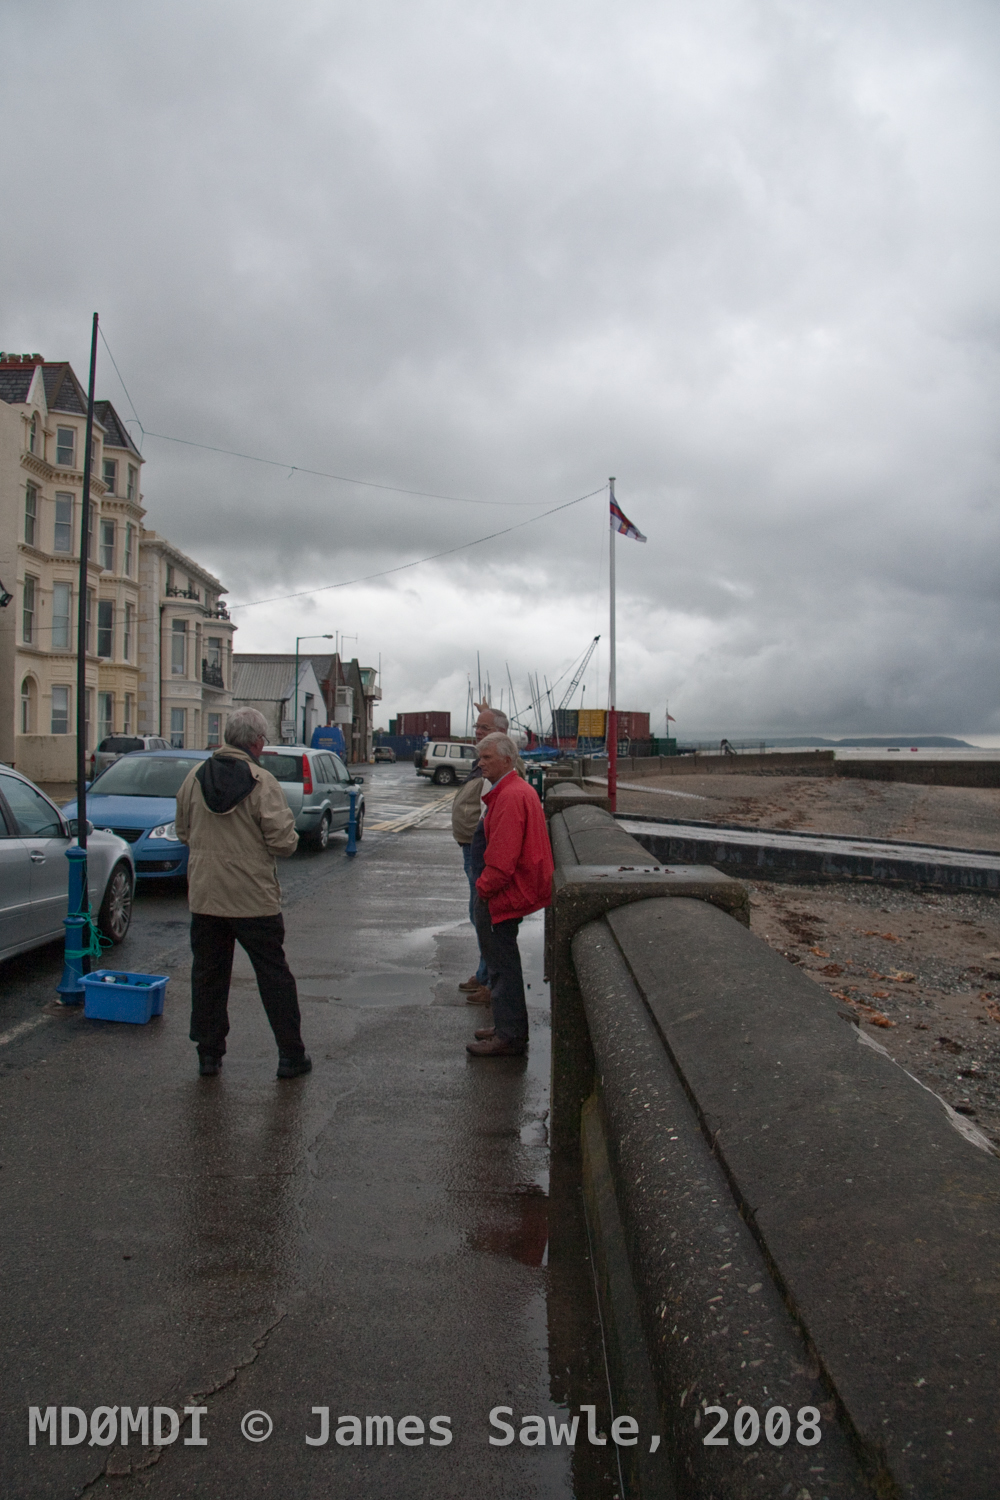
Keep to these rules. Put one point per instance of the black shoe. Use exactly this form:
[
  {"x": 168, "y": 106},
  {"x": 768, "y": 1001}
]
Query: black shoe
[
  {"x": 294, "y": 1067},
  {"x": 208, "y": 1064}
]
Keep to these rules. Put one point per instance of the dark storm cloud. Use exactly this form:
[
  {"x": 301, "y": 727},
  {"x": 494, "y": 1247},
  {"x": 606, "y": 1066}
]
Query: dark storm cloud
[{"x": 739, "y": 254}]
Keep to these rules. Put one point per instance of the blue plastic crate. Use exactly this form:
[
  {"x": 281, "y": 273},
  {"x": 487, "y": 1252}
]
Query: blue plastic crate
[{"x": 115, "y": 995}]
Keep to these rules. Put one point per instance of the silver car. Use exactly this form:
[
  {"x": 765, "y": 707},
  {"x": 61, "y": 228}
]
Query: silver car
[
  {"x": 317, "y": 785},
  {"x": 34, "y": 870},
  {"x": 117, "y": 745}
]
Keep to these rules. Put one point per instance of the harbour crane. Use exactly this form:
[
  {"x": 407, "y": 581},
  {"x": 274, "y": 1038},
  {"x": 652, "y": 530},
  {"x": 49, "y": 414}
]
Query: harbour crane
[{"x": 578, "y": 675}]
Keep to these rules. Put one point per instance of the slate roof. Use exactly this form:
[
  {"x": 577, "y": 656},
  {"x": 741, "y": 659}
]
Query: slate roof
[
  {"x": 63, "y": 392},
  {"x": 14, "y": 385},
  {"x": 115, "y": 432}
]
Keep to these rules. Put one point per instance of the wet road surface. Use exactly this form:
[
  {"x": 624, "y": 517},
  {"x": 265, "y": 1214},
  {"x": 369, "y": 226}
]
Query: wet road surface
[{"x": 374, "y": 1239}]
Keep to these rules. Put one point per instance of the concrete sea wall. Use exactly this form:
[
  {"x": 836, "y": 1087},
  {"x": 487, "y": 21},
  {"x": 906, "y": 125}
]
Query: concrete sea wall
[{"x": 781, "y": 1216}]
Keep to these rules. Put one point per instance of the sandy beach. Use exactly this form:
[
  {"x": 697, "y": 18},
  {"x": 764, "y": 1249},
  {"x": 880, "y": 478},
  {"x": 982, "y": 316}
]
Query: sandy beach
[{"x": 919, "y": 969}]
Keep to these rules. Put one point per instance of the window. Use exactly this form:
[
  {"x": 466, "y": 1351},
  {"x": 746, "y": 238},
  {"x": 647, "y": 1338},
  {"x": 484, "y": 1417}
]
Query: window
[
  {"x": 127, "y": 715},
  {"x": 90, "y": 532},
  {"x": 108, "y": 545},
  {"x": 88, "y": 706},
  {"x": 177, "y": 728},
  {"x": 64, "y": 524},
  {"x": 33, "y": 434},
  {"x": 111, "y": 474},
  {"x": 27, "y": 706},
  {"x": 133, "y": 475},
  {"x": 129, "y": 548},
  {"x": 213, "y": 650},
  {"x": 178, "y": 649},
  {"x": 128, "y": 631},
  {"x": 89, "y": 638},
  {"x": 28, "y": 612},
  {"x": 30, "y": 513},
  {"x": 214, "y": 738},
  {"x": 62, "y": 612},
  {"x": 105, "y": 715},
  {"x": 105, "y": 628},
  {"x": 170, "y": 577},
  {"x": 60, "y": 710},
  {"x": 455, "y": 753},
  {"x": 33, "y": 813},
  {"x": 65, "y": 446}
]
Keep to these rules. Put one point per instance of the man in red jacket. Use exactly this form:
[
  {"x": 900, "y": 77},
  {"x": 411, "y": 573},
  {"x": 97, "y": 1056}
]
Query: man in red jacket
[{"x": 516, "y": 880}]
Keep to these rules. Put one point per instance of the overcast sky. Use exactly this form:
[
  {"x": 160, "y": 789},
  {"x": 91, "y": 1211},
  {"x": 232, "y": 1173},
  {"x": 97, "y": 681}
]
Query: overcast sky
[{"x": 742, "y": 255}]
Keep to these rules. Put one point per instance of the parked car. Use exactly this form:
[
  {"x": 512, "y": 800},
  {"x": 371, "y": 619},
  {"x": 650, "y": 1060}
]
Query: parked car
[
  {"x": 317, "y": 786},
  {"x": 117, "y": 745},
  {"x": 445, "y": 762},
  {"x": 385, "y": 752},
  {"x": 136, "y": 798},
  {"x": 34, "y": 870}
]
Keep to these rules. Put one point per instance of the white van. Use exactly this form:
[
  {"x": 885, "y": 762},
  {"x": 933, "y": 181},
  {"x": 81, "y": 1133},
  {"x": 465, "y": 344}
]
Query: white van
[{"x": 445, "y": 762}]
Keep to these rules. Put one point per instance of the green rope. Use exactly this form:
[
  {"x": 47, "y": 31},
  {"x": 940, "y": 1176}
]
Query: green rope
[{"x": 96, "y": 941}]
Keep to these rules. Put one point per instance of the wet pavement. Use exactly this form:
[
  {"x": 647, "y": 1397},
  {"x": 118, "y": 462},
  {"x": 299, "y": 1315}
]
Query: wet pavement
[{"x": 379, "y": 1239}]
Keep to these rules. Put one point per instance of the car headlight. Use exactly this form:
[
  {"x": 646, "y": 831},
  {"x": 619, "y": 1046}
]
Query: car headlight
[{"x": 164, "y": 831}]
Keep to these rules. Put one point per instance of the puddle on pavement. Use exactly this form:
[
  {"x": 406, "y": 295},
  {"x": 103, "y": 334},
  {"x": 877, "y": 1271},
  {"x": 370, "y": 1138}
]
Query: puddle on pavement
[
  {"x": 387, "y": 987},
  {"x": 517, "y": 1226}
]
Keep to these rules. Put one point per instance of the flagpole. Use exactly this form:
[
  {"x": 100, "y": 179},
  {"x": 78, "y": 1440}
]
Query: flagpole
[{"x": 612, "y": 714}]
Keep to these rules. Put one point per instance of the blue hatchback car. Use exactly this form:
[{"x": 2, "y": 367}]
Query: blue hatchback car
[{"x": 136, "y": 797}]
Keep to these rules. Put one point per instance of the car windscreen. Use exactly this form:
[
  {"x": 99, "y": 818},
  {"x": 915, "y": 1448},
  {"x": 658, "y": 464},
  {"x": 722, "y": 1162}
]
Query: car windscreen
[
  {"x": 144, "y": 776},
  {"x": 283, "y": 767}
]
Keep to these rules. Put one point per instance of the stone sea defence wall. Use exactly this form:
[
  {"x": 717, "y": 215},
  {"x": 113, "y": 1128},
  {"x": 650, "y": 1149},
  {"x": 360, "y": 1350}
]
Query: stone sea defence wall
[{"x": 783, "y": 1220}]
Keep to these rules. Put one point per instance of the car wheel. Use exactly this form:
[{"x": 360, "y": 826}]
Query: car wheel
[
  {"x": 359, "y": 824},
  {"x": 444, "y": 777},
  {"x": 115, "y": 915},
  {"x": 321, "y": 838}
]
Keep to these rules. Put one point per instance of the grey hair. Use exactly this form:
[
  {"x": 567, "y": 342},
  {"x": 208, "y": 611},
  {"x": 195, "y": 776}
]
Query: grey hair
[
  {"x": 502, "y": 744},
  {"x": 500, "y": 720},
  {"x": 245, "y": 727}
]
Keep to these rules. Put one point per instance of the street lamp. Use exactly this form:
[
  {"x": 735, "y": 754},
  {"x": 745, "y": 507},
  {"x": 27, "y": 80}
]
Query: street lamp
[{"x": 298, "y": 638}]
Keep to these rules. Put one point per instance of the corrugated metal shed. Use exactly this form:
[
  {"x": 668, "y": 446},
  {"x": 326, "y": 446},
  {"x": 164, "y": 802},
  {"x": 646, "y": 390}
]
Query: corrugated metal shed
[{"x": 265, "y": 681}]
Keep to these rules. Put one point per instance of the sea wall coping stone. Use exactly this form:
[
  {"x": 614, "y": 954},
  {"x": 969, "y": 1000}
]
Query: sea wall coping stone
[
  {"x": 714, "y": 1327},
  {"x": 875, "y": 1208}
]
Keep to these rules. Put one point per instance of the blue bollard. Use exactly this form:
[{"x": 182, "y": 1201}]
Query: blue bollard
[
  {"x": 70, "y": 988},
  {"x": 352, "y": 824}
]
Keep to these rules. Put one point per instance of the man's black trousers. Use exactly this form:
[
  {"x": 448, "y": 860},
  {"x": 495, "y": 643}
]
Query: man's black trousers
[{"x": 213, "y": 942}]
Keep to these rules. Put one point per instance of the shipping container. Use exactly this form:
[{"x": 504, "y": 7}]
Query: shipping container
[
  {"x": 633, "y": 726},
  {"x": 435, "y": 725},
  {"x": 564, "y": 722},
  {"x": 591, "y": 723}
]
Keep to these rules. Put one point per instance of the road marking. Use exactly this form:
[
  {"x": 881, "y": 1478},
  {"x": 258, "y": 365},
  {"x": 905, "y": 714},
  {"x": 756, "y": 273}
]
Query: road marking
[
  {"x": 397, "y": 825},
  {"x": 25, "y": 1026}
]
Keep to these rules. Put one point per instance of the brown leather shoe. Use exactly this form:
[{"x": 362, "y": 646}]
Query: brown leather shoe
[
  {"x": 470, "y": 984},
  {"x": 482, "y": 996},
  {"x": 494, "y": 1046},
  {"x": 484, "y": 1032}
]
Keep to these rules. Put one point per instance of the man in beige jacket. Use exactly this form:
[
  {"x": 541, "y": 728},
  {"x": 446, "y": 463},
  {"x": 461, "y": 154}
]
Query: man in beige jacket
[{"x": 233, "y": 816}]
